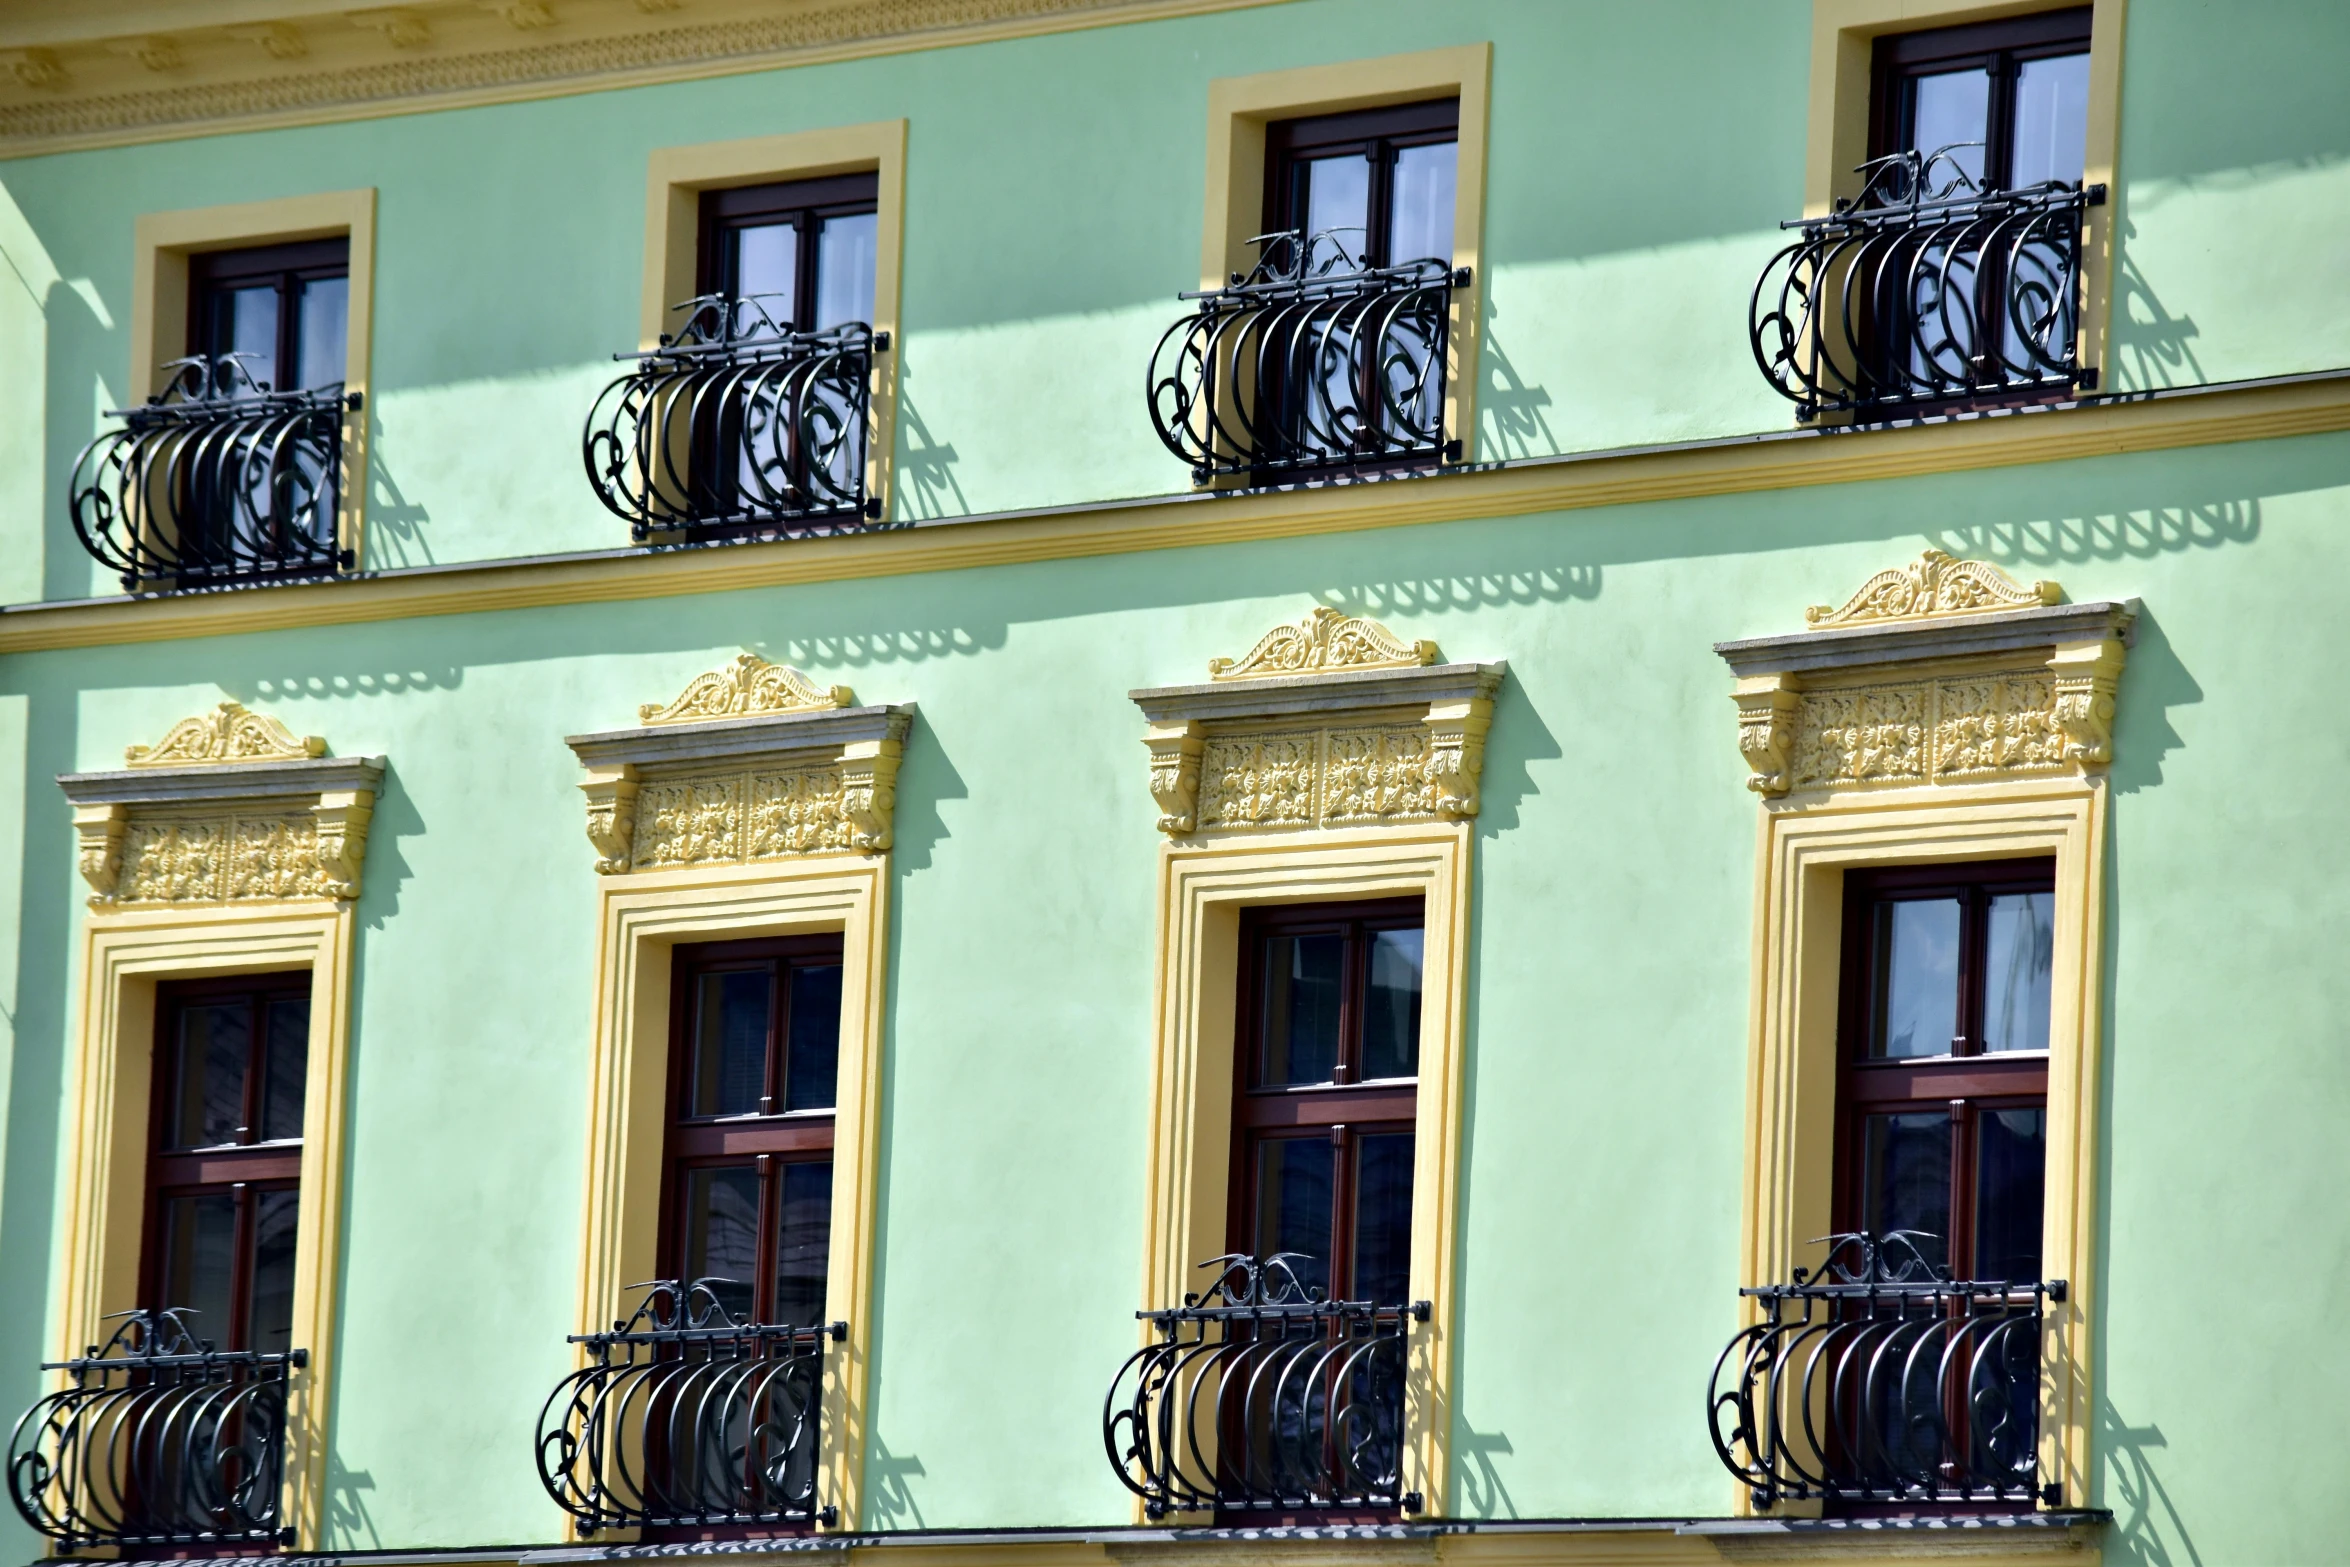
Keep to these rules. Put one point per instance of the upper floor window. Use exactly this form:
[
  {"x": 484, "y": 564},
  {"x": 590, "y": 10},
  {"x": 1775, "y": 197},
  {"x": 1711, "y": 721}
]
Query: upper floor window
[
  {"x": 1378, "y": 183},
  {"x": 2007, "y": 102},
  {"x": 281, "y": 312},
  {"x": 792, "y": 257}
]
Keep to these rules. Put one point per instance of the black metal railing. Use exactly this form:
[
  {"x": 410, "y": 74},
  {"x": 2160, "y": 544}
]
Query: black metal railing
[
  {"x": 1925, "y": 292},
  {"x": 1875, "y": 1380},
  {"x": 737, "y": 425},
  {"x": 1261, "y": 1397},
  {"x": 157, "y": 1440},
  {"x": 1309, "y": 366},
  {"x": 688, "y": 1416},
  {"x": 215, "y": 480}
]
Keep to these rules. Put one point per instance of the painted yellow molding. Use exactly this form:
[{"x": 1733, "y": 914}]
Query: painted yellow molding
[
  {"x": 1203, "y": 887},
  {"x": 1936, "y": 584},
  {"x": 159, "y": 305},
  {"x": 1843, "y": 36},
  {"x": 1239, "y": 109},
  {"x": 1792, "y": 460},
  {"x": 125, "y": 955},
  {"x": 640, "y": 920},
  {"x": 230, "y": 733},
  {"x": 1323, "y": 643},
  {"x": 748, "y": 686},
  {"x": 674, "y": 181}
]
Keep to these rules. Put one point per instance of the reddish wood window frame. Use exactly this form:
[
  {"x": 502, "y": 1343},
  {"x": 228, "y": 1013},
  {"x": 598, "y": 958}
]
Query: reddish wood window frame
[
  {"x": 1999, "y": 46},
  {"x": 802, "y": 203},
  {"x": 282, "y": 267},
  {"x": 1962, "y": 1084},
  {"x": 1373, "y": 133}
]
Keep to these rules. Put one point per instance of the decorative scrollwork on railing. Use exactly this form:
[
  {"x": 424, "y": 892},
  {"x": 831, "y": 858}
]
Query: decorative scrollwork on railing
[
  {"x": 687, "y": 1416},
  {"x": 157, "y": 1440},
  {"x": 1924, "y": 290},
  {"x": 737, "y": 424},
  {"x": 216, "y": 479},
  {"x": 1261, "y": 1396},
  {"x": 1311, "y": 364},
  {"x": 1876, "y": 1379}
]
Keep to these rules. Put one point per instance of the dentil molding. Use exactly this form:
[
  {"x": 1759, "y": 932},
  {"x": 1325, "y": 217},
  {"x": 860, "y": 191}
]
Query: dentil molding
[
  {"x": 1942, "y": 671},
  {"x": 229, "y": 806},
  {"x": 753, "y": 761},
  {"x": 1333, "y": 721}
]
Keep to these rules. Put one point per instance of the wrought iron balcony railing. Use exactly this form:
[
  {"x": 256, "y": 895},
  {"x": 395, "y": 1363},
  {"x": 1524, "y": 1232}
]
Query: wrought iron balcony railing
[
  {"x": 1926, "y": 291},
  {"x": 157, "y": 1440},
  {"x": 1309, "y": 366},
  {"x": 687, "y": 1417},
  {"x": 1262, "y": 1397},
  {"x": 737, "y": 425},
  {"x": 1875, "y": 1380},
  {"x": 216, "y": 480}
]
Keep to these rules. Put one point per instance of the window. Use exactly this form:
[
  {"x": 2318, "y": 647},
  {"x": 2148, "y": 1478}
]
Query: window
[
  {"x": 792, "y": 257},
  {"x": 755, "y": 1066},
  {"x": 282, "y": 312},
  {"x": 1328, "y": 1092},
  {"x": 2008, "y": 100},
  {"x": 224, "y": 1174},
  {"x": 1379, "y": 182},
  {"x": 1944, "y": 1022}
]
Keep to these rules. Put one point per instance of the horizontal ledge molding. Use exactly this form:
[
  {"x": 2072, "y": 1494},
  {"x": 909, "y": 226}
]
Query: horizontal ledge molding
[
  {"x": 1319, "y": 695},
  {"x": 224, "y": 781},
  {"x": 1913, "y": 641},
  {"x": 730, "y": 739},
  {"x": 1791, "y": 459}
]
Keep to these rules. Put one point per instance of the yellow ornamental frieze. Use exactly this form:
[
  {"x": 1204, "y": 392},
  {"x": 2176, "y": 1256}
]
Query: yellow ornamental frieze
[
  {"x": 737, "y": 817},
  {"x": 1377, "y": 775},
  {"x": 1264, "y": 780},
  {"x": 1928, "y": 731},
  {"x": 1317, "y": 778},
  {"x": 222, "y": 860}
]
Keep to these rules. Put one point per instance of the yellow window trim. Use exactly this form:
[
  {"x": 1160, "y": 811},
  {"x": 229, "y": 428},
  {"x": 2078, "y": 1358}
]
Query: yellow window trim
[
  {"x": 125, "y": 955},
  {"x": 159, "y": 306},
  {"x": 1843, "y": 35},
  {"x": 674, "y": 182},
  {"x": 1203, "y": 887},
  {"x": 641, "y": 918},
  {"x": 1239, "y": 109}
]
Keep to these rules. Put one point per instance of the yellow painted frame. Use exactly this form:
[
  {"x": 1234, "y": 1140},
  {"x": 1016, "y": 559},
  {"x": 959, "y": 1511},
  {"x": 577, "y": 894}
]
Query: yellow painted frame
[
  {"x": 1805, "y": 848},
  {"x": 1239, "y": 109},
  {"x": 125, "y": 955},
  {"x": 1203, "y": 887},
  {"x": 641, "y": 917},
  {"x": 674, "y": 181},
  {"x": 159, "y": 305},
  {"x": 1842, "y": 35}
]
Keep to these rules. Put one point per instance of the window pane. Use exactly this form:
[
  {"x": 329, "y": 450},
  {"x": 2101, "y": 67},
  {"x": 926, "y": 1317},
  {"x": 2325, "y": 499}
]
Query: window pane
[
  {"x": 274, "y": 1216},
  {"x": 1954, "y": 106},
  {"x": 1419, "y": 221},
  {"x": 1391, "y": 1010},
  {"x": 286, "y": 1066},
  {"x": 1293, "y": 1204},
  {"x": 1303, "y": 981},
  {"x": 804, "y": 1244},
  {"x": 320, "y": 331},
  {"x": 199, "y": 1261},
  {"x": 213, "y": 1044},
  {"x": 765, "y": 265},
  {"x": 1914, "y": 993},
  {"x": 730, "y": 1042},
  {"x": 2051, "y": 120},
  {"x": 844, "y": 270},
  {"x": 244, "y": 321},
  {"x": 2018, "y": 955},
  {"x": 812, "y": 1072},
  {"x": 1336, "y": 200},
  {"x": 1905, "y": 1180},
  {"x": 1383, "y": 1218},
  {"x": 2011, "y": 1164},
  {"x": 722, "y": 1232}
]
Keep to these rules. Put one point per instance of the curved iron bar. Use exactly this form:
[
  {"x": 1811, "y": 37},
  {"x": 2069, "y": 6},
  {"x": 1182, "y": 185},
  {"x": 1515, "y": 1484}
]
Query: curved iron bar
[
  {"x": 216, "y": 479},
  {"x": 1310, "y": 363},
  {"x": 1260, "y": 1395},
  {"x": 158, "y": 1439},
  {"x": 1874, "y": 1378},
  {"x": 1925, "y": 289},
  {"x": 737, "y": 424},
  {"x": 687, "y": 1415}
]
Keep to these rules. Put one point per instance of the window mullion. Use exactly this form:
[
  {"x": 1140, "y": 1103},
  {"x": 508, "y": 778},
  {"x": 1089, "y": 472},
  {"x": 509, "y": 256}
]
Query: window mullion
[{"x": 241, "y": 1264}]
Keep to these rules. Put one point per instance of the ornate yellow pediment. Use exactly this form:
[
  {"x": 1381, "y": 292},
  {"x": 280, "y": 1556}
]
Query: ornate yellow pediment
[
  {"x": 1933, "y": 584},
  {"x": 1324, "y": 643},
  {"x": 229, "y": 733},
  {"x": 746, "y": 688}
]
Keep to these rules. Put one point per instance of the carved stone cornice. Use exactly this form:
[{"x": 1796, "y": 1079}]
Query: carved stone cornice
[
  {"x": 799, "y": 780},
  {"x": 77, "y": 75},
  {"x": 1936, "y": 693},
  {"x": 1325, "y": 642},
  {"x": 229, "y": 807},
  {"x": 1399, "y": 741},
  {"x": 748, "y": 686}
]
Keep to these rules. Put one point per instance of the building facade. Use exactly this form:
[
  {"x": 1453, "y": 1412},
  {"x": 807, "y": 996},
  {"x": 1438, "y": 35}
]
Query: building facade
[{"x": 1047, "y": 781}]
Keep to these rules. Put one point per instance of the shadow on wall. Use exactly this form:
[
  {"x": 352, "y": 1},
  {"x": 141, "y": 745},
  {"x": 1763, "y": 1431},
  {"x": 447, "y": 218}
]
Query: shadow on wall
[
  {"x": 925, "y": 777},
  {"x": 1441, "y": 595},
  {"x": 348, "y": 1522},
  {"x": 926, "y": 482},
  {"x": 2146, "y": 1527},
  {"x": 395, "y": 525},
  {"x": 2153, "y": 682},
  {"x": 2131, "y": 535},
  {"x": 889, "y": 1500},
  {"x": 1511, "y": 417},
  {"x": 1483, "y": 1493},
  {"x": 2150, "y": 347}
]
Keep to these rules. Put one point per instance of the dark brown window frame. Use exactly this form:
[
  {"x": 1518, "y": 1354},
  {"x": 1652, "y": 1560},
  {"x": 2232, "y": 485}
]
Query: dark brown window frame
[
  {"x": 286, "y": 267},
  {"x": 245, "y": 1169},
  {"x": 1963, "y": 1083},
  {"x": 803, "y": 203},
  {"x": 1999, "y": 45},
  {"x": 1376, "y": 133}
]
